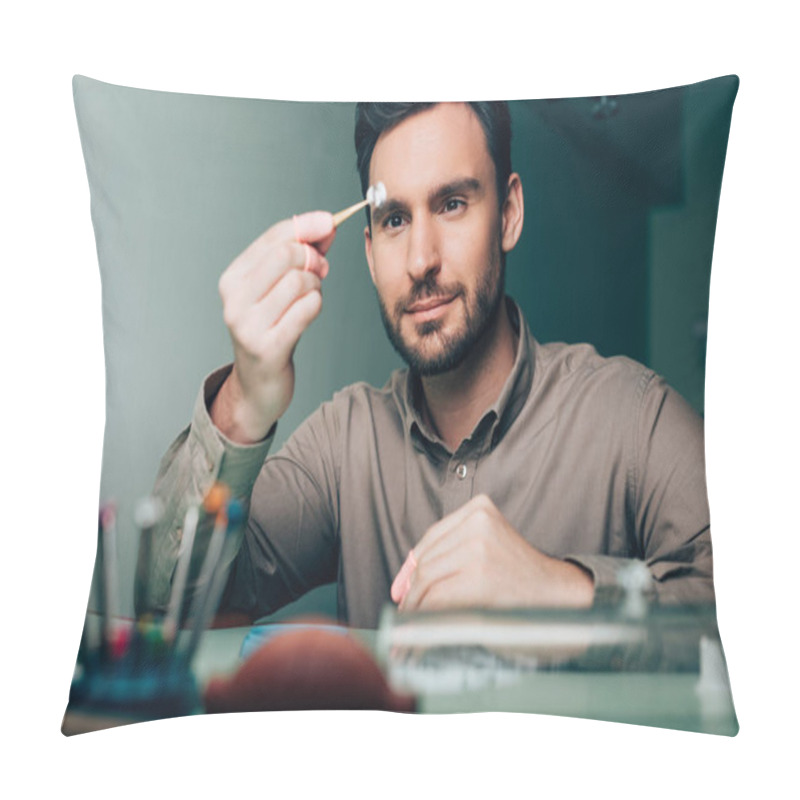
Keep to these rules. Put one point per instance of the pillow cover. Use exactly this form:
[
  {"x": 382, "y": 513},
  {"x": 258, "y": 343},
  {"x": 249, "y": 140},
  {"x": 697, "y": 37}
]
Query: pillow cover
[{"x": 621, "y": 198}]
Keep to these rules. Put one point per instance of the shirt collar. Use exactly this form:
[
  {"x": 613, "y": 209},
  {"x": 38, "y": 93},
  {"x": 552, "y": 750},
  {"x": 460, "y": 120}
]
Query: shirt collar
[{"x": 500, "y": 415}]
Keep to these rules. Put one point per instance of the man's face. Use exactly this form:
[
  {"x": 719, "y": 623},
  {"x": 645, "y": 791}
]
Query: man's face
[{"x": 436, "y": 246}]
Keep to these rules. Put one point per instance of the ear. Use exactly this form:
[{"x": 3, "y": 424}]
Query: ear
[
  {"x": 513, "y": 213},
  {"x": 368, "y": 251}
]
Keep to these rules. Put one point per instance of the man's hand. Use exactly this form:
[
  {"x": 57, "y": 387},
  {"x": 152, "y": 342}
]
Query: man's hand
[
  {"x": 270, "y": 295},
  {"x": 473, "y": 557}
]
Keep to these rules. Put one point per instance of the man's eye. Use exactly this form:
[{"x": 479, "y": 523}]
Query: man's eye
[
  {"x": 393, "y": 221},
  {"x": 453, "y": 204}
]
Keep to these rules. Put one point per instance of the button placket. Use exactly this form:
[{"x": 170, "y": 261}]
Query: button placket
[{"x": 458, "y": 491}]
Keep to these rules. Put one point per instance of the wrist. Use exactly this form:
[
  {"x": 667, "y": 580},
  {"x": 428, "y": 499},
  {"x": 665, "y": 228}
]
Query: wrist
[
  {"x": 233, "y": 418},
  {"x": 570, "y": 585},
  {"x": 579, "y": 585}
]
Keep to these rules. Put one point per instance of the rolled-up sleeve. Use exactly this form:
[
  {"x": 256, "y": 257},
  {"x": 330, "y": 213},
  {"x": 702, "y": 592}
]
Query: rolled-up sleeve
[{"x": 198, "y": 457}]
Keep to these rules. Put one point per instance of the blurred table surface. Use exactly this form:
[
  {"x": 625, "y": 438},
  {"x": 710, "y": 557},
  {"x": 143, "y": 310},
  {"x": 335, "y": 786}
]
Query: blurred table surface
[{"x": 662, "y": 698}]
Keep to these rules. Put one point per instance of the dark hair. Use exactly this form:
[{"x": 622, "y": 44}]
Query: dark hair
[{"x": 373, "y": 119}]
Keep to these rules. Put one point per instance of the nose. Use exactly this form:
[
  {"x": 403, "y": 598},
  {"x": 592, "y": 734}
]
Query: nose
[{"x": 424, "y": 258}]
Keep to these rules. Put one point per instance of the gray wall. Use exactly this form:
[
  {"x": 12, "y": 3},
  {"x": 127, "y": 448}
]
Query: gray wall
[{"x": 181, "y": 184}]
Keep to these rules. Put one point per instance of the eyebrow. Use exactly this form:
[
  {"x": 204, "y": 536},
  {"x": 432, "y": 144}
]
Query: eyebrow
[{"x": 459, "y": 186}]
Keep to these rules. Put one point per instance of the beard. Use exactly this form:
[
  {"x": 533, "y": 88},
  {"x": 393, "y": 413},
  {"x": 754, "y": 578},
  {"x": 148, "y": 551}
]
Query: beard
[{"x": 436, "y": 351}]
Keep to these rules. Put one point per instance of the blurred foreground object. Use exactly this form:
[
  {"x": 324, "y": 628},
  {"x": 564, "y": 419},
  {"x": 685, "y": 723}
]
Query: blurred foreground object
[{"x": 310, "y": 669}]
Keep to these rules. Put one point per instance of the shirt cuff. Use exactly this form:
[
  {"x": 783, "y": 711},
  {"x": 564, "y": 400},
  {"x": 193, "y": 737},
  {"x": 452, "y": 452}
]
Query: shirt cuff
[
  {"x": 606, "y": 571},
  {"x": 216, "y": 456}
]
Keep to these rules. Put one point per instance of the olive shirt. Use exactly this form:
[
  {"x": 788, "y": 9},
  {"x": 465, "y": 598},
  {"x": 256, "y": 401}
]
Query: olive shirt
[{"x": 596, "y": 460}]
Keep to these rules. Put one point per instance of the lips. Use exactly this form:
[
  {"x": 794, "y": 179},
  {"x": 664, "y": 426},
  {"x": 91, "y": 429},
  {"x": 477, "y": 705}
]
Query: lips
[{"x": 429, "y": 304}]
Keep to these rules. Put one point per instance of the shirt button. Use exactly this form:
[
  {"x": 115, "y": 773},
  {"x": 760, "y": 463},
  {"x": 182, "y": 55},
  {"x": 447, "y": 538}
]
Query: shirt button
[{"x": 461, "y": 471}]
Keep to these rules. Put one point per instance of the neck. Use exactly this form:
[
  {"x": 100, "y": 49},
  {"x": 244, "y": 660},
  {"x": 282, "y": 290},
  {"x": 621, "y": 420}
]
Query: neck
[{"x": 455, "y": 401}]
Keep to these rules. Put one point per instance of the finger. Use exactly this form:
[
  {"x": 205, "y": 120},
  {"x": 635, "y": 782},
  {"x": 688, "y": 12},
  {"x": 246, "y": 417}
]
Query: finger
[
  {"x": 281, "y": 233},
  {"x": 257, "y": 270},
  {"x": 402, "y": 581},
  {"x": 290, "y": 288},
  {"x": 452, "y": 591},
  {"x": 315, "y": 227},
  {"x": 315, "y": 262},
  {"x": 311, "y": 227},
  {"x": 291, "y": 326},
  {"x": 429, "y": 574},
  {"x": 451, "y": 524},
  {"x": 248, "y": 282},
  {"x": 324, "y": 244}
]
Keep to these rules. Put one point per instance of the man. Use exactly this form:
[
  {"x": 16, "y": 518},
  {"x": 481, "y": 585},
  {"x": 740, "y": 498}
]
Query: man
[{"x": 502, "y": 472}]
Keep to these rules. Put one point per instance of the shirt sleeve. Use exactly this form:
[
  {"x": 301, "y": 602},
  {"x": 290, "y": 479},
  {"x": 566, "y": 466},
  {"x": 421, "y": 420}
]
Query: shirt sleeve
[
  {"x": 667, "y": 504},
  {"x": 291, "y": 544},
  {"x": 198, "y": 457}
]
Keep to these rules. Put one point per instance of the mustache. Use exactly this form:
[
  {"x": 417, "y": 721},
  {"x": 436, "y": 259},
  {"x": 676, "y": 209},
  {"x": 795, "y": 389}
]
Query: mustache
[{"x": 427, "y": 289}]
